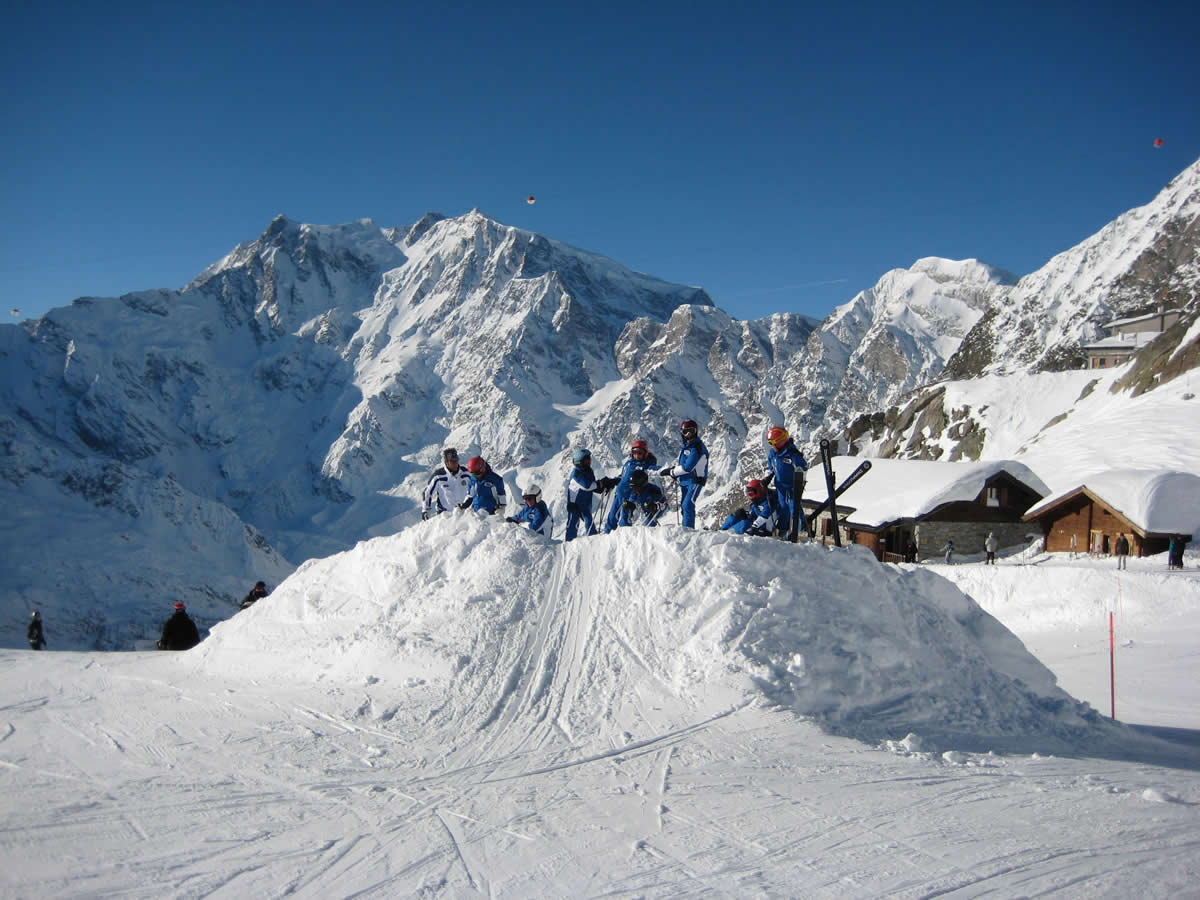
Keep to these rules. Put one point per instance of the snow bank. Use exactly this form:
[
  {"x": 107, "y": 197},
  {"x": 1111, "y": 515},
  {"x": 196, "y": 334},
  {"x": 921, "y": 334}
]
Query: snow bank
[{"x": 472, "y": 624}]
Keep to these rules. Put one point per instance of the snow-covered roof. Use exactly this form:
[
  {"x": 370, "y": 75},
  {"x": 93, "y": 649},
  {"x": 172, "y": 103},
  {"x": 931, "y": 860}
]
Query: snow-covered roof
[
  {"x": 1129, "y": 320},
  {"x": 906, "y": 488},
  {"x": 1156, "y": 501},
  {"x": 1133, "y": 341}
]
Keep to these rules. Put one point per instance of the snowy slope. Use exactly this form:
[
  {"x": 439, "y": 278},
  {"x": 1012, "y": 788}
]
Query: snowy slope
[{"x": 465, "y": 709}]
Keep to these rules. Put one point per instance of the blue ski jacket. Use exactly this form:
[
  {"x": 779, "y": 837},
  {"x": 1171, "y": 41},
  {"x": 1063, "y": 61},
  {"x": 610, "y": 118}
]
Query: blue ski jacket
[
  {"x": 692, "y": 467},
  {"x": 536, "y": 517},
  {"x": 487, "y": 492},
  {"x": 580, "y": 488},
  {"x": 784, "y": 463}
]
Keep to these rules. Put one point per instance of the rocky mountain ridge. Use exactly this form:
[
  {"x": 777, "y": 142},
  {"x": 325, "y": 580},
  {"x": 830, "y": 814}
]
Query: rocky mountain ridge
[{"x": 294, "y": 395}]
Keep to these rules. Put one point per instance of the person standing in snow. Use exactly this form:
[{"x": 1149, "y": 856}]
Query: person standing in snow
[
  {"x": 640, "y": 459},
  {"x": 948, "y": 550},
  {"x": 581, "y": 488},
  {"x": 1175, "y": 552},
  {"x": 785, "y": 460},
  {"x": 691, "y": 471},
  {"x": 1121, "y": 549},
  {"x": 37, "y": 637},
  {"x": 534, "y": 514},
  {"x": 485, "y": 490},
  {"x": 256, "y": 593},
  {"x": 644, "y": 503},
  {"x": 990, "y": 545},
  {"x": 447, "y": 487},
  {"x": 179, "y": 632}
]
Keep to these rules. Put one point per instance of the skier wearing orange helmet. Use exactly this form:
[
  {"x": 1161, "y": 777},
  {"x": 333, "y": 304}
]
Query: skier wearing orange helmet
[{"x": 787, "y": 466}]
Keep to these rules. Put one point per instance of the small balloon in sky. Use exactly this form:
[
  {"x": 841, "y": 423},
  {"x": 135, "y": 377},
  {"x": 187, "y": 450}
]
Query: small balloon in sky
[
  {"x": 1158, "y": 142},
  {"x": 531, "y": 199}
]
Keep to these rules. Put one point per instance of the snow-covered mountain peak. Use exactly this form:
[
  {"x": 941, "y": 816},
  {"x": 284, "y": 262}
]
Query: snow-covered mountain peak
[{"x": 962, "y": 270}]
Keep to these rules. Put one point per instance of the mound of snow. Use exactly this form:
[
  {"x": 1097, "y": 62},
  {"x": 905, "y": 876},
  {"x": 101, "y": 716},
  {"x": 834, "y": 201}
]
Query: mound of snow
[{"x": 472, "y": 625}]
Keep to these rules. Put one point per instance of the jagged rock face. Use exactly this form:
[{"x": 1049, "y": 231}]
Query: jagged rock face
[{"x": 1148, "y": 257}]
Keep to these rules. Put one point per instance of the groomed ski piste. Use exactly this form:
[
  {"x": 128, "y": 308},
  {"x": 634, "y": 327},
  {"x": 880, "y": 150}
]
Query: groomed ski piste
[{"x": 468, "y": 709}]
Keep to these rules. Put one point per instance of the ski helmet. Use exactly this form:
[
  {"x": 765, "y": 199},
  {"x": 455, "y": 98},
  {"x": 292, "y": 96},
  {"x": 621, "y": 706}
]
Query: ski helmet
[
  {"x": 639, "y": 478},
  {"x": 755, "y": 489},
  {"x": 777, "y": 437},
  {"x": 532, "y": 494},
  {"x": 179, "y": 607},
  {"x": 581, "y": 455},
  {"x": 689, "y": 429},
  {"x": 639, "y": 445},
  {"x": 476, "y": 466}
]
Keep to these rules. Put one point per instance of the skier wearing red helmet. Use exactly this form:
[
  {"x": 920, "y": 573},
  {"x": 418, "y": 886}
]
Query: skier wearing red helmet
[
  {"x": 691, "y": 470},
  {"x": 761, "y": 518},
  {"x": 486, "y": 490},
  {"x": 640, "y": 460}
]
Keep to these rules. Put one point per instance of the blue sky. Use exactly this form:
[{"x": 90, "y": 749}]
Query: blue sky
[{"x": 783, "y": 159}]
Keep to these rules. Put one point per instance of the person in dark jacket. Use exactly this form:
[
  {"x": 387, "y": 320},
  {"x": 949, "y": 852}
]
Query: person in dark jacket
[
  {"x": 1121, "y": 549},
  {"x": 179, "y": 632},
  {"x": 37, "y": 637},
  {"x": 644, "y": 503},
  {"x": 256, "y": 593}
]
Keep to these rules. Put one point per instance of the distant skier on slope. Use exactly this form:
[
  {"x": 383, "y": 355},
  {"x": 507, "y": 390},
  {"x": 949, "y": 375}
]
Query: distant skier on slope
[
  {"x": 534, "y": 514},
  {"x": 256, "y": 593},
  {"x": 786, "y": 461},
  {"x": 448, "y": 486},
  {"x": 486, "y": 489},
  {"x": 640, "y": 459},
  {"x": 691, "y": 471},
  {"x": 179, "y": 632},
  {"x": 949, "y": 551},
  {"x": 582, "y": 485},
  {"x": 645, "y": 503},
  {"x": 35, "y": 634}
]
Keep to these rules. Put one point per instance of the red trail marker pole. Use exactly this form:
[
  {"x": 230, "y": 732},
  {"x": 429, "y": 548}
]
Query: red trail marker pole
[{"x": 1112, "y": 668}]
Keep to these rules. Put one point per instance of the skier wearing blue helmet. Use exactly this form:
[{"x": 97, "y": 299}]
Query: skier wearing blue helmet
[{"x": 581, "y": 487}]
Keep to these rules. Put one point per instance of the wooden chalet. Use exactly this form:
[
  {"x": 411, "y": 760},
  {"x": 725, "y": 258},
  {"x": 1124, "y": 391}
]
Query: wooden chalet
[
  {"x": 906, "y": 510},
  {"x": 1148, "y": 507}
]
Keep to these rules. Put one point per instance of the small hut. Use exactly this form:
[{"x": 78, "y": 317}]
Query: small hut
[{"x": 1149, "y": 506}]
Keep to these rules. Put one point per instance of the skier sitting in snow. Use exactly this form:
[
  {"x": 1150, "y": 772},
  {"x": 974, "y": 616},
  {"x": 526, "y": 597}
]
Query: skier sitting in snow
[
  {"x": 640, "y": 459},
  {"x": 644, "y": 503},
  {"x": 37, "y": 637},
  {"x": 760, "y": 520},
  {"x": 691, "y": 470},
  {"x": 534, "y": 513},
  {"x": 786, "y": 461},
  {"x": 256, "y": 593},
  {"x": 447, "y": 487},
  {"x": 179, "y": 632},
  {"x": 486, "y": 490},
  {"x": 581, "y": 487}
]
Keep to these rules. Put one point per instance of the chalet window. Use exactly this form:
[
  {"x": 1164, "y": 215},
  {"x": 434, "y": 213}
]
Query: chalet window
[{"x": 993, "y": 496}]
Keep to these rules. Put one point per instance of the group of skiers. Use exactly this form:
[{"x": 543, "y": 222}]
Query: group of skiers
[{"x": 635, "y": 499}]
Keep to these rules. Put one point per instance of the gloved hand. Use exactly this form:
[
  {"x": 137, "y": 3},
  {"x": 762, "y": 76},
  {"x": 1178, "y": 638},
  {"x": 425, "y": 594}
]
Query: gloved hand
[
  {"x": 766, "y": 479},
  {"x": 651, "y": 509},
  {"x": 511, "y": 519},
  {"x": 629, "y": 506},
  {"x": 424, "y": 515},
  {"x": 466, "y": 504},
  {"x": 574, "y": 508}
]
